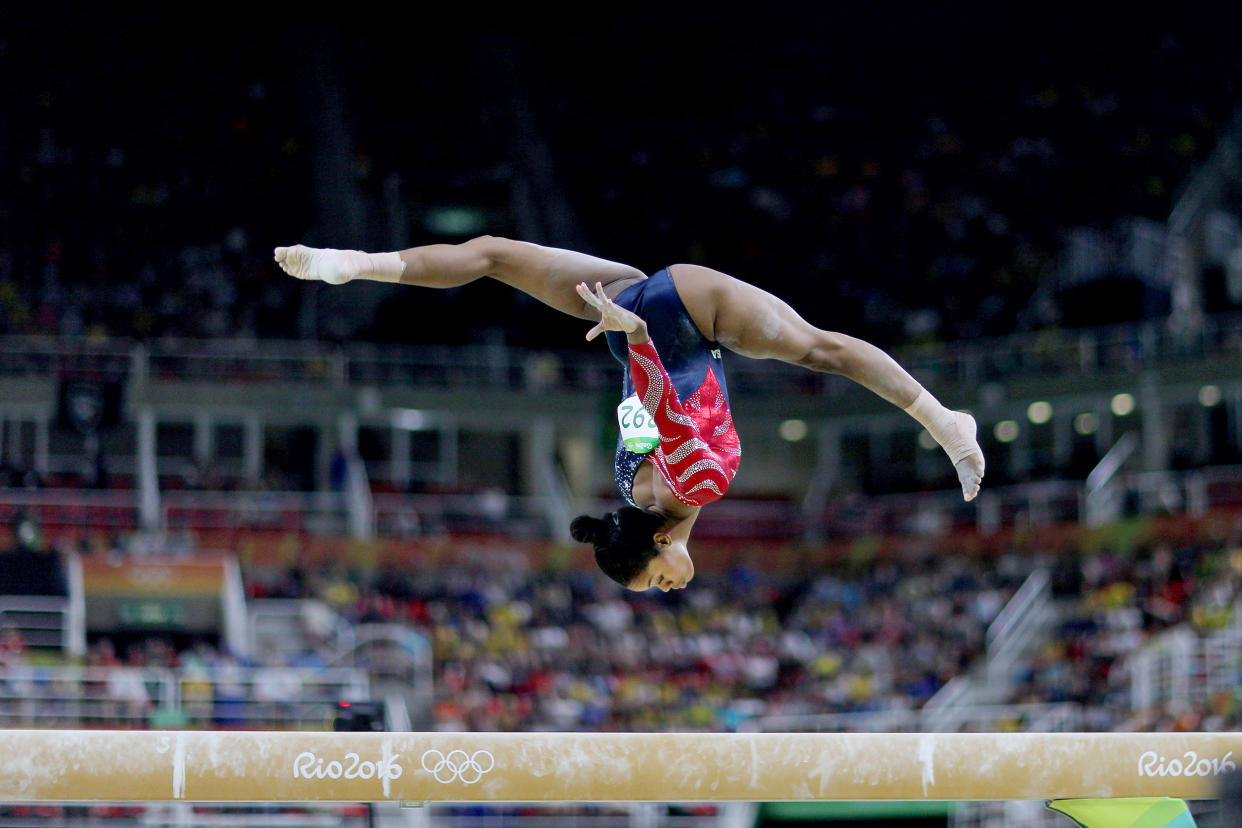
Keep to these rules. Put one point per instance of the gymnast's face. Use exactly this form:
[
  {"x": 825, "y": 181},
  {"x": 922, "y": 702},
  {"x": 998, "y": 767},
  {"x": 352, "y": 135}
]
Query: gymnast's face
[{"x": 671, "y": 568}]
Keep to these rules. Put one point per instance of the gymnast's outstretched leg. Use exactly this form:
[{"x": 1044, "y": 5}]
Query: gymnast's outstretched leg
[
  {"x": 754, "y": 323},
  {"x": 549, "y": 274}
]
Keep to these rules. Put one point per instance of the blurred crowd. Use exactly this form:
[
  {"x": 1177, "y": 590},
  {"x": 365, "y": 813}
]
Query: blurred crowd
[
  {"x": 1116, "y": 603},
  {"x": 143, "y": 197},
  {"x": 514, "y": 648},
  {"x": 549, "y": 652},
  {"x": 516, "y": 651}
]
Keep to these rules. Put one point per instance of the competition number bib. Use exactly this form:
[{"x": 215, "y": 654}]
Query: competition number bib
[{"x": 638, "y": 428}]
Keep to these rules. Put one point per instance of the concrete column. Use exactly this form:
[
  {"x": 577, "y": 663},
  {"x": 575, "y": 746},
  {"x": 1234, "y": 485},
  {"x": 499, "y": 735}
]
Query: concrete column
[
  {"x": 399, "y": 457},
  {"x": 1062, "y": 436},
  {"x": 11, "y": 428},
  {"x": 449, "y": 441},
  {"x": 252, "y": 446},
  {"x": 1104, "y": 434},
  {"x": 359, "y": 510},
  {"x": 204, "y": 437},
  {"x": 148, "y": 476},
  {"x": 1155, "y": 426},
  {"x": 825, "y": 475},
  {"x": 325, "y": 445},
  {"x": 1205, "y": 456},
  {"x": 1020, "y": 448},
  {"x": 43, "y": 428},
  {"x": 543, "y": 478}
]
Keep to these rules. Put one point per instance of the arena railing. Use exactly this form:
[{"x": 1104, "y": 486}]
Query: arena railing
[
  {"x": 320, "y": 512},
  {"x": 221, "y": 695},
  {"x": 75, "y": 508},
  {"x": 1182, "y": 668},
  {"x": 1057, "y": 352},
  {"x": 1036, "y": 503},
  {"x": 294, "y": 626}
]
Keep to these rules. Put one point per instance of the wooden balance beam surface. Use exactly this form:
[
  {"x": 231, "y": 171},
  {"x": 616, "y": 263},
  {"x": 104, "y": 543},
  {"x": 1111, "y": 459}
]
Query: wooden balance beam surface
[{"x": 248, "y": 766}]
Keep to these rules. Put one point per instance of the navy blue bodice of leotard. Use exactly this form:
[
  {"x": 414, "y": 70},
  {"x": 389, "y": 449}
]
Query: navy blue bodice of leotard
[{"x": 685, "y": 352}]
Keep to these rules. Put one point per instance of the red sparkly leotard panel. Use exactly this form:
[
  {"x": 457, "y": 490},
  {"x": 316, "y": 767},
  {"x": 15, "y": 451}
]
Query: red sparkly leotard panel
[
  {"x": 699, "y": 449},
  {"x": 698, "y": 391}
]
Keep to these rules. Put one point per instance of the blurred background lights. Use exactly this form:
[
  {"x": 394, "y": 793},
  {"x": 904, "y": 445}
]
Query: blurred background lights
[
  {"x": 409, "y": 418},
  {"x": 926, "y": 441},
  {"x": 1039, "y": 412},
  {"x": 1209, "y": 395},
  {"x": 1122, "y": 404},
  {"x": 793, "y": 430},
  {"x": 1086, "y": 423},
  {"x": 1006, "y": 431}
]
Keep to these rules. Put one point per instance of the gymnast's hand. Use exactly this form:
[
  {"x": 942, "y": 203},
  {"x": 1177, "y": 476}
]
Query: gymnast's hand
[{"x": 612, "y": 317}]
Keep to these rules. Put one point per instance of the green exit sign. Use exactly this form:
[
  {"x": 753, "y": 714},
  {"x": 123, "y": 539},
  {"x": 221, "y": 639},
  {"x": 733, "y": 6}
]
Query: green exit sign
[{"x": 151, "y": 614}]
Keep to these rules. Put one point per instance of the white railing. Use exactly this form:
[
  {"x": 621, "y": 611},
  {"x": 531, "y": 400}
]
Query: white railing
[
  {"x": 1057, "y": 501},
  {"x": 1183, "y": 668},
  {"x": 294, "y": 626},
  {"x": 78, "y": 508},
  {"x": 222, "y": 695},
  {"x": 414, "y": 515},
  {"x": 321, "y": 512},
  {"x": 1023, "y": 619},
  {"x": 1102, "y": 500},
  {"x": 1062, "y": 353}
]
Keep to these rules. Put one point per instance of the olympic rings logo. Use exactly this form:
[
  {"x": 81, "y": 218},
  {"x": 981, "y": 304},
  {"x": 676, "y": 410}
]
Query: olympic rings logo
[{"x": 458, "y": 766}]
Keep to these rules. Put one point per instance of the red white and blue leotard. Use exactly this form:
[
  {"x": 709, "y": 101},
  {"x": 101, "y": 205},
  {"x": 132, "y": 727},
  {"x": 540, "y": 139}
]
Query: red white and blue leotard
[{"x": 685, "y": 393}]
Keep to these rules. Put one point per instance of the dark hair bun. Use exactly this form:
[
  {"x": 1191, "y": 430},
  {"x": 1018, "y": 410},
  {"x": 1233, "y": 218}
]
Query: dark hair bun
[{"x": 587, "y": 529}]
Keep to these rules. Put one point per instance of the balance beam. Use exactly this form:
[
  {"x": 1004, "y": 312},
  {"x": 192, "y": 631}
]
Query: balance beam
[{"x": 283, "y": 766}]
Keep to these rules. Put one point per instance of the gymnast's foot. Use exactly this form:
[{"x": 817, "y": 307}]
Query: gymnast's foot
[
  {"x": 955, "y": 432},
  {"x": 964, "y": 451},
  {"x": 326, "y": 265}
]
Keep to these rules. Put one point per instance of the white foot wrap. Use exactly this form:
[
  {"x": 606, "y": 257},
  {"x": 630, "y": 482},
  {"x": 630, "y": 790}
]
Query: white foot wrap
[
  {"x": 955, "y": 432},
  {"x": 336, "y": 267}
]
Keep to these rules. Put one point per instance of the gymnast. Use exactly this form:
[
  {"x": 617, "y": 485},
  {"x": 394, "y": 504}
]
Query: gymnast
[{"x": 678, "y": 450}]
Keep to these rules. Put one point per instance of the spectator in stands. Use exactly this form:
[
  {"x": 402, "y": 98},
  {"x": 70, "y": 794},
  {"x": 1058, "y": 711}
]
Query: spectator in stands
[
  {"x": 278, "y": 690},
  {"x": 129, "y": 700},
  {"x": 12, "y": 648}
]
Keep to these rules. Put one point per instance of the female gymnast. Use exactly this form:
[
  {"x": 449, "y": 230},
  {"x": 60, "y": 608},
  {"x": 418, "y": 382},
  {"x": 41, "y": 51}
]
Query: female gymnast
[{"x": 678, "y": 449}]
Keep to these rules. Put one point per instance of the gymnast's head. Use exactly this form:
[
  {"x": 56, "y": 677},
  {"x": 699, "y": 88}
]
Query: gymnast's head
[{"x": 634, "y": 548}]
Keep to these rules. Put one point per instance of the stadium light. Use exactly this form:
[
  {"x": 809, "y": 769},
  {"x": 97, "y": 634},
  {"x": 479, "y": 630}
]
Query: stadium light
[
  {"x": 1039, "y": 412},
  {"x": 1086, "y": 423},
  {"x": 793, "y": 430}
]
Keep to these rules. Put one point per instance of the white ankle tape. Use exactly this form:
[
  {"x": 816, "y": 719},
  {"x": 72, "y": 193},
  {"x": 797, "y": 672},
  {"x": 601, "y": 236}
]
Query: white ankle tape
[
  {"x": 948, "y": 428},
  {"x": 384, "y": 267}
]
